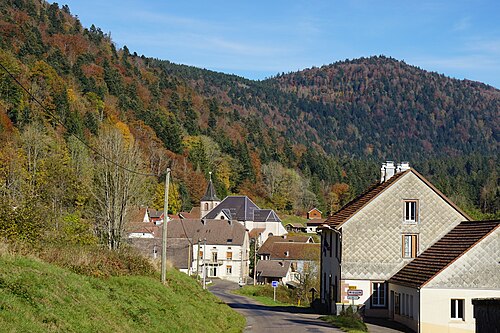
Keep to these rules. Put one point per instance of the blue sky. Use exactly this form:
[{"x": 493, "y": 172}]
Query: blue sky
[{"x": 257, "y": 39}]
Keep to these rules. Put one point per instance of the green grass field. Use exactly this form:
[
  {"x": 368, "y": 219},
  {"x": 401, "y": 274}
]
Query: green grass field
[{"x": 39, "y": 297}]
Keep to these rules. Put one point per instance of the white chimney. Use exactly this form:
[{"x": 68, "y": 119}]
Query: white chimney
[
  {"x": 387, "y": 171},
  {"x": 382, "y": 173},
  {"x": 403, "y": 166},
  {"x": 390, "y": 169}
]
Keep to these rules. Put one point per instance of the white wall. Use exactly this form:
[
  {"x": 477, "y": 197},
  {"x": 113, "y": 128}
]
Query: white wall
[
  {"x": 409, "y": 303},
  {"x": 240, "y": 268},
  {"x": 435, "y": 312},
  {"x": 330, "y": 267}
]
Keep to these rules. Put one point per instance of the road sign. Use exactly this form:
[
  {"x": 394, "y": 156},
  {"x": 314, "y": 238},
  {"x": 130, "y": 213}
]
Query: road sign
[
  {"x": 355, "y": 292},
  {"x": 274, "y": 284},
  {"x": 353, "y": 297}
]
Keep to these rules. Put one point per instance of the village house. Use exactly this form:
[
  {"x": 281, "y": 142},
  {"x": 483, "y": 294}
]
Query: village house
[
  {"x": 217, "y": 248},
  {"x": 243, "y": 210},
  {"x": 435, "y": 291},
  {"x": 286, "y": 258},
  {"x": 378, "y": 233},
  {"x": 314, "y": 213},
  {"x": 295, "y": 227},
  {"x": 314, "y": 220}
]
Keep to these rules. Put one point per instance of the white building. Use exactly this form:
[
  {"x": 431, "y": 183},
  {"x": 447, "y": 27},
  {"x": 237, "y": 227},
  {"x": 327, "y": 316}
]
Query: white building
[
  {"x": 248, "y": 214},
  {"x": 434, "y": 292}
]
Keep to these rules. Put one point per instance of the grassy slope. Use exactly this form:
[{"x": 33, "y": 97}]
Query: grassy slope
[{"x": 39, "y": 297}]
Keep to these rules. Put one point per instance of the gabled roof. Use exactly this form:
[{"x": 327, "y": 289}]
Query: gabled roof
[
  {"x": 265, "y": 215},
  {"x": 296, "y": 225},
  {"x": 271, "y": 240},
  {"x": 315, "y": 222},
  {"x": 136, "y": 215},
  {"x": 290, "y": 248},
  {"x": 272, "y": 268},
  {"x": 350, "y": 209},
  {"x": 443, "y": 253},
  {"x": 210, "y": 194},
  {"x": 314, "y": 210},
  {"x": 216, "y": 232},
  {"x": 255, "y": 232},
  {"x": 241, "y": 208},
  {"x": 155, "y": 213}
]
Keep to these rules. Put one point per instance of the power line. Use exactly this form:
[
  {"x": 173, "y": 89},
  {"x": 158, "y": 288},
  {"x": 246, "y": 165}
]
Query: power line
[{"x": 50, "y": 113}]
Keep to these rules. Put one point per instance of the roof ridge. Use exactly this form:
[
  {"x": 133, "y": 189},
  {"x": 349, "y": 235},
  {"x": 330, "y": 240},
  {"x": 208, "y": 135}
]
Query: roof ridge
[{"x": 366, "y": 194}]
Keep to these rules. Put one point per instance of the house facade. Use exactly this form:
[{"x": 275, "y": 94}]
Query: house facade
[
  {"x": 247, "y": 213},
  {"x": 290, "y": 256},
  {"x": 435, "y": 292},
  {"x": 376, "y": 234},
  {"x": 221, "y": 249}
]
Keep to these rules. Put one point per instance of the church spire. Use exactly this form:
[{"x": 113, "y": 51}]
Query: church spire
[{"x": 210, "y": 194}]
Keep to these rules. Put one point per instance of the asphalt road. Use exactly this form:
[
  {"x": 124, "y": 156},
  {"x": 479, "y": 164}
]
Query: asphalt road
[{"x": 261, "y": 318}]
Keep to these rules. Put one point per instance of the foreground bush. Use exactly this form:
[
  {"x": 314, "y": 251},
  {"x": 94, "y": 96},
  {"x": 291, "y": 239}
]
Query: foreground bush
[{"x": 348, "y": 321}]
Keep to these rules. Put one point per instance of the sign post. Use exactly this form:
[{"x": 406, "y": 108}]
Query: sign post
[
  {"x": 354, "y": 294},
  {"x": 275, "y": 285}
]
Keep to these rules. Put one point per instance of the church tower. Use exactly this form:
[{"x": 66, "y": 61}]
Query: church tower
[{"x": 209, "y": 200}]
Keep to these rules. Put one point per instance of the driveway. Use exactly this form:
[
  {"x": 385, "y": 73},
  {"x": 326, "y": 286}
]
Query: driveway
[{"x": 262, "y": 318}]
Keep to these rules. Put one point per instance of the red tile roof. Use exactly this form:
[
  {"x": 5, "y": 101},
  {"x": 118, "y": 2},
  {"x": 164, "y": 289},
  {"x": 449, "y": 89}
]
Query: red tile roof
[
  {"x": 294, "y": 251},
  {"x": 338, "y": 218},
  {"x": 444, "y": 252}
]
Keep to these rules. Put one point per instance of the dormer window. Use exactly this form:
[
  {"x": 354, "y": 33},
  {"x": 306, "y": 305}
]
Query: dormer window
[{"x": 410, "y": 211}]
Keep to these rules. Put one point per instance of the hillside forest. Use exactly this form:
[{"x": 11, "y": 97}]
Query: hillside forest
[{"x": 88, "y": 130}]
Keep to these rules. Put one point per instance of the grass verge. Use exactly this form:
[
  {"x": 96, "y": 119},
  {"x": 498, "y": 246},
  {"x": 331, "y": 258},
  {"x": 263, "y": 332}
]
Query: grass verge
[
  {"x": 264, "y": 294},
  {"x": 36, "y": 296}
]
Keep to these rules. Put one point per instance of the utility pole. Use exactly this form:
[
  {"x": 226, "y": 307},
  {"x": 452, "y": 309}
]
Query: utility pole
[
  {"x": 255, "y": 261},
  {"x": 189, "y": 259},
  {"x": 164, "y": 230},
  {"x": 198, "y": 261},
  {"x": 204, "y": 263}
]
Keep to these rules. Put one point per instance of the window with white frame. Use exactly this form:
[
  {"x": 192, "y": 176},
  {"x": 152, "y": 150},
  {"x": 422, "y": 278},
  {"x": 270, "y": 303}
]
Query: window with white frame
[
  {"x": 410, "y": 211},
  {"x": 229, "y": 269},
  {"x": 378, "y": 294},
  {"x": 457, "y": 309},
  {"x": 409, "y": 246}
]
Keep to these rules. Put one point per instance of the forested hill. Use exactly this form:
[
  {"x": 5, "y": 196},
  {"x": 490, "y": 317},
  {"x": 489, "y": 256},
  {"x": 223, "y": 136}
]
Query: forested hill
[
  {"x": 383, "y": 107},
  {"x": 311, "y": 138}
]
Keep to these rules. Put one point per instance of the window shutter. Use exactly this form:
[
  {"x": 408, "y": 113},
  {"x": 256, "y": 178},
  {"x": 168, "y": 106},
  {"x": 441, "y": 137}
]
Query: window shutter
[
  {"x": 403, "y": 246},
  {"x": 414, "y": 246}
]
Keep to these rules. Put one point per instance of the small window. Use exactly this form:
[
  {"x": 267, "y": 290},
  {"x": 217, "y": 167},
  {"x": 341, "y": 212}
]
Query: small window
[
  {"x": 214, "y": 256},
  {"x": 410, "y": 246},
  {"x": 206, "y": 206},
  {"x": 201, "y": 254},
  {"x": 229, "y": 255},
  {"x": 229, "y": 270},
  {"x": 457, "y": 309},
  {"x": 410, "y": 211},
  {"x": 378, "y": 294}
]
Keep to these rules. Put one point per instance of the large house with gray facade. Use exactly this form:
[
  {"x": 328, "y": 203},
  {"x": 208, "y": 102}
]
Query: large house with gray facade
[{"x": 378, "y": 233}]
